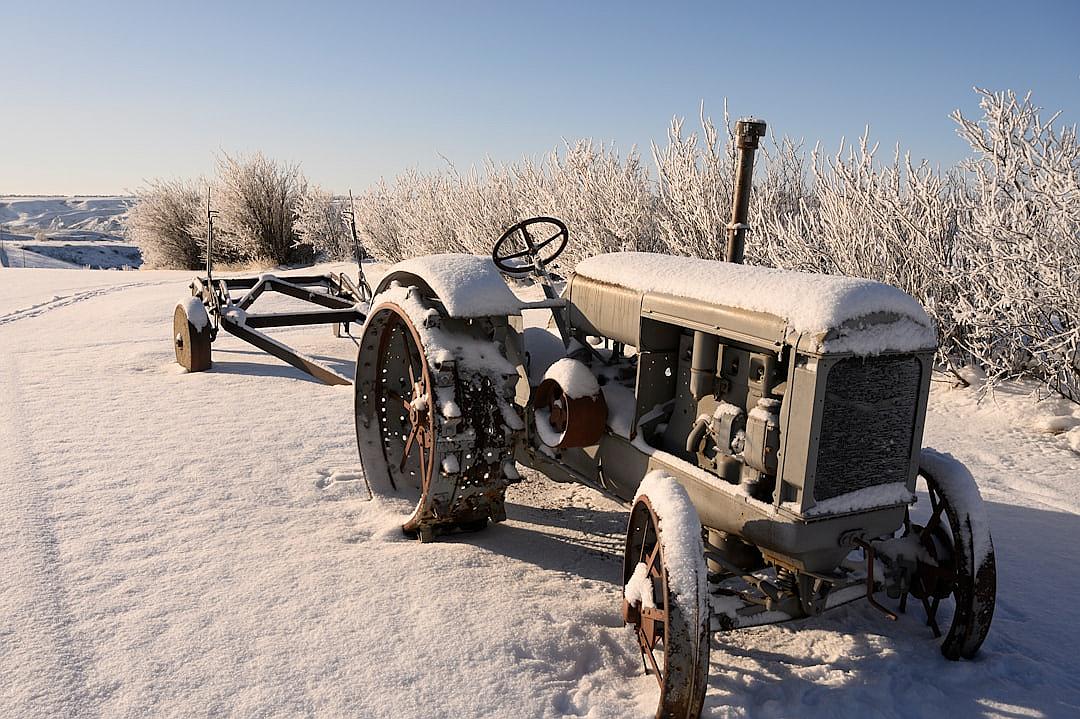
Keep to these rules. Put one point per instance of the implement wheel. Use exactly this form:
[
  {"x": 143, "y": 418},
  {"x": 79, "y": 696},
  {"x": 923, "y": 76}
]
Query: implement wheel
[
  {"x": 431, "y": 424},
  {"x": 191, "y": 335},
  {"x": 669, "y": 614}
]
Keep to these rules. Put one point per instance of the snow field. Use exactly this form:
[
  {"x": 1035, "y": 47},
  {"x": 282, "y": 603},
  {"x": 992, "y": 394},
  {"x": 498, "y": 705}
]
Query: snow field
[{"x": 205, "y": 544}]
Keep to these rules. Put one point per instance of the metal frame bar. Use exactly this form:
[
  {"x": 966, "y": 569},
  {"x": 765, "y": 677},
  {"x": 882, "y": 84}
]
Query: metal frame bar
[
  {"x": 314, "y": 317},
  {"x": 272, "y": 346},
  {"x": 339, "y": 299}
]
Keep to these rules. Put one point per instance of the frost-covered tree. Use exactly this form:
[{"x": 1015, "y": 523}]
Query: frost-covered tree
[
  {"x": 1021, "y": 230},
  {"x": 257, "y": 200},
  {"x": 320, "y": 223},
  {"x": 991, "y": 248},
  {"x": 163, "y": 222}
]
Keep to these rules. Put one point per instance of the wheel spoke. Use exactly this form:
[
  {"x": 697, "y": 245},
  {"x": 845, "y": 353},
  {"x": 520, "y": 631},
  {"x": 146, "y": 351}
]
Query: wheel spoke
[
  {"x": 935, "y": 521},
  {"x": 408, "y": 448},
  {"x": 397, "y": 397},
  {"x": 647, "y": 653},
  {"x": 423, "y": 463},
  {"x": 549, "y": 240},
  {"x": 931, "y": 617},
  {"x": 516, "y": 255}
]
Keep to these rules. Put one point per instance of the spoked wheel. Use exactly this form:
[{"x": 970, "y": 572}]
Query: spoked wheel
[
  {"x": 671, "y": 622},
  {"x": 417, "y": 424},
  {"x": 403, "y": 395},
  {"x": 535, "y": 240},
  {"x": 956, "y": 577}
]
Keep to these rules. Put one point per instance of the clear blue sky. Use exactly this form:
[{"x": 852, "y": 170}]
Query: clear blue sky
[{"x": 97, "y": 96}]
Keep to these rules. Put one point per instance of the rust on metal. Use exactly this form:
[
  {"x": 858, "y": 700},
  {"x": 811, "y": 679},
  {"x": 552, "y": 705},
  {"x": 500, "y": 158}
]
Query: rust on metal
[{"x": 579, "y": 421}]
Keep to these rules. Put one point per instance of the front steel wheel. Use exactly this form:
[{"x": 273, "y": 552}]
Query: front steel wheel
[
  {"x": 669, "y": 615},
  {"x": 956, "y": 573}
]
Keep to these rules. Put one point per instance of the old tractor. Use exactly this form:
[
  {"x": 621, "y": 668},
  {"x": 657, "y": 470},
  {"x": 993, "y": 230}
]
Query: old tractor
[{"x": 763, "y": 426}]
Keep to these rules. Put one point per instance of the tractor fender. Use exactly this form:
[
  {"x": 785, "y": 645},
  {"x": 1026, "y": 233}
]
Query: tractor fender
[{"x": 467, "y": 285}]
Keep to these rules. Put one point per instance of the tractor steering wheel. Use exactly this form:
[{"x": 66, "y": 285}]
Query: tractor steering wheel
[{"x": 516, "y": 253}]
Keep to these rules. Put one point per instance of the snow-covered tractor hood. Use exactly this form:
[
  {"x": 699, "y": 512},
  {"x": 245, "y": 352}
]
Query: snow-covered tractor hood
[{"x": 823, "y": 313}]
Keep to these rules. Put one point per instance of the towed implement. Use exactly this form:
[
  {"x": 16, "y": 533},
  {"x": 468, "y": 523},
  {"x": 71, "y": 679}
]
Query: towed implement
[
  {"x": 764, "y": 428},
  {"x": 225, "y": 303}
]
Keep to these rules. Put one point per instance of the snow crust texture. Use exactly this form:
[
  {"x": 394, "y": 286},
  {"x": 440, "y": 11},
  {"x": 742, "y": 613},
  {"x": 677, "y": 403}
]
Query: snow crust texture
[
  {"x": 150, "y": 570},
  {"x": 468, "y": 285},
  {"x": 196, "y": 313},
  {"x": 865, "y": 317}
]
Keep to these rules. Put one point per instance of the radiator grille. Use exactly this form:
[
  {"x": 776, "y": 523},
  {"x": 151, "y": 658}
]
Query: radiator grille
[{"x": 867, "y": 424}]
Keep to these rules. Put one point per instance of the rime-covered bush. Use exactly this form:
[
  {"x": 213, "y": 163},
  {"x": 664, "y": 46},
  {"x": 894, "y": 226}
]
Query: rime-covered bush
[
  {"x": 991, "y": 248},
  {"x": 257, "y": 200},
  {"x": 605, "y": 199},
  {"x": 163, "y": 222},
  {"x": 1020, "y": 236},
  {"x": 321, "y": 224}
]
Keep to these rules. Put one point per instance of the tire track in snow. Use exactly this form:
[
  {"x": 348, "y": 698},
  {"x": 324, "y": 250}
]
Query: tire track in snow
[
  {"x": 59, "y": 301},
  {"x": 37, "y": 649}
]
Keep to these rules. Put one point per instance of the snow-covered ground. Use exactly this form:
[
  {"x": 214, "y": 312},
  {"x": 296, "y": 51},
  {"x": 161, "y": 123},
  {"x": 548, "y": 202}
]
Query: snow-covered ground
[
  {"x": 65, "y": 233},
  {"x": 205, "y": 544}
]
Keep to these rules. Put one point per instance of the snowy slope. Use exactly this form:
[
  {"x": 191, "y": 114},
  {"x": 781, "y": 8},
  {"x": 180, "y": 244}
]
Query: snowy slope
[
  {"x": 190, "y": 545},
  {"x": 104, "y": 215},
  {"x": 66, "y": 233}
]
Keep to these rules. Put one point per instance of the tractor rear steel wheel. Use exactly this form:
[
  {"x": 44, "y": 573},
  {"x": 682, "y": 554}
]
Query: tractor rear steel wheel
[
  {"x": 950, "y": 574},
  {"x": 674, "y": 640},
  {"x": 191, "y": 341},
  {"x": 431, "y": 425}
]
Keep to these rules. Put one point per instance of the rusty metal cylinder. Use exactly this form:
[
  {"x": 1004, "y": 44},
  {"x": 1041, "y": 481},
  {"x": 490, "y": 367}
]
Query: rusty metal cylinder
[
  {"x": 703, "y": 364},
  {"x": 748, "y": 132}
]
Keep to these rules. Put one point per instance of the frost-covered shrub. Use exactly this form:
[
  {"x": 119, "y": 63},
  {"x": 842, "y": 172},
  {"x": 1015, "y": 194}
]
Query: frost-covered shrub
[
  {"x": 895, "y": 223},
  {"x": 991, "y": 248},
  {"x": 693, "y": 190},
  {"x": 605, "y": 199},
  {"x": 321, "y": 224},
  {"x": 257, "y": 200},
  {"x": 1020, "y": 231},
  {"x": 163, "y": 222}
]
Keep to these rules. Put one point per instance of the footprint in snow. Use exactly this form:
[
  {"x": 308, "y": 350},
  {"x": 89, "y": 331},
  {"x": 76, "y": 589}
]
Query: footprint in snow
[{"x": 347, "y": 483}]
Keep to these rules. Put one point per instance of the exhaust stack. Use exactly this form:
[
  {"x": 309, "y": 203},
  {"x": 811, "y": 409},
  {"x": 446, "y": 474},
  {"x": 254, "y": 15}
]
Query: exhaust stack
[{"x": 748, "y": 132}]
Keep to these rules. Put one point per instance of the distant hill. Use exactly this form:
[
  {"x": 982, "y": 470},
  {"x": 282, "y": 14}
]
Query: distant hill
[
  {"x": 99, "y": 215},
  {"x": 66, "y": 232}
]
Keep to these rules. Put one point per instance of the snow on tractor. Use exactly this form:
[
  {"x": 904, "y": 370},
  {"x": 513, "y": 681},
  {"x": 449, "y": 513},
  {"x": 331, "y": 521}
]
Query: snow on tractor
[{"x": 763, "y": 426}]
